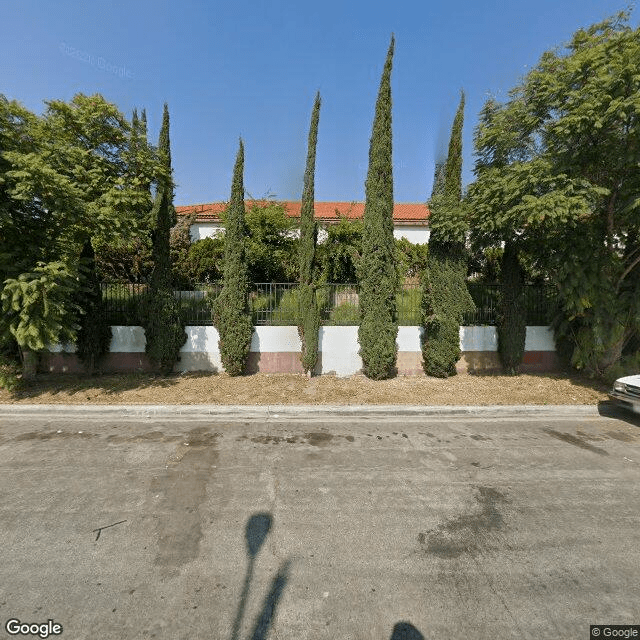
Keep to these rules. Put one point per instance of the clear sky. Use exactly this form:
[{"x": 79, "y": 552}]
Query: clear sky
[{"x": 252, "y": 68}]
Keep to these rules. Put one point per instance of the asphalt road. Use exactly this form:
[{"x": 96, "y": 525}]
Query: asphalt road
[{"x": 442, "y": 527}]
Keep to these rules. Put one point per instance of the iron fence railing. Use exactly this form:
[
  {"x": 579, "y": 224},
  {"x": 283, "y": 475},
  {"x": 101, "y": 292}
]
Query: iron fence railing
[{"x": 276, "y": 304}]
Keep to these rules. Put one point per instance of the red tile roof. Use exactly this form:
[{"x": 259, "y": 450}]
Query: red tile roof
[{"x": 403, "y": 213}]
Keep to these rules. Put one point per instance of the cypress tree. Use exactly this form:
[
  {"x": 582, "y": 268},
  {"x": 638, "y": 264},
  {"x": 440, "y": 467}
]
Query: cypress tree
[
  {"x": 378, "y": 275},
  {"x": 164, "y": 328},
  {"x": 512, "y": 325},
  {"x": 445, "y": 297},
  {"x": 438, "y": 179},
  {"x": 308, "y": 312},
  {"x": 94, "y": 332},
  {"x": 232, "y": 316},
  {"x": 162, "y": 212}
]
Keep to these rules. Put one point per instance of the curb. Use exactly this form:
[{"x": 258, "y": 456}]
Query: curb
[{"x": 289, "y": 411}]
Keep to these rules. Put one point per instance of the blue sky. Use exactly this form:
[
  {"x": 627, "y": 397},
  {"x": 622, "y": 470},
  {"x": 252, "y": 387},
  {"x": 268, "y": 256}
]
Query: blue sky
[{"x": 252, "y": 69}]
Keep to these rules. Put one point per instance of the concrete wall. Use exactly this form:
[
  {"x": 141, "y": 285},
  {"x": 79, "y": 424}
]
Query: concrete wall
[{"x": 277, "y": 349}]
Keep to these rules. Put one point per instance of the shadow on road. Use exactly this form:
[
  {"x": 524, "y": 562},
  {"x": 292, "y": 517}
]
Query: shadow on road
[
  {"x": 405, "y": 631},
  {"x": 256, "y": 531}
]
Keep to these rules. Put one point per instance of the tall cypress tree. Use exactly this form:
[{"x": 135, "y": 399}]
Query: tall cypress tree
[
  {"x": 232, "y": 315},
  {"x": 378, "y": 275},
  {"x": 445, "y": 297},
  {"x": 308, "y": 311},
  {"x": 511, "y": 326},
  {"x": 164, "y": 329},
  {"x": 161, "y": 212},
  {"x": 94, "y": 333}
]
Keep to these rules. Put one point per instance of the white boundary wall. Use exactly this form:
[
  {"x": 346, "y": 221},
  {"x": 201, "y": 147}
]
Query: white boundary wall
[{"x": 338, "y": 345}]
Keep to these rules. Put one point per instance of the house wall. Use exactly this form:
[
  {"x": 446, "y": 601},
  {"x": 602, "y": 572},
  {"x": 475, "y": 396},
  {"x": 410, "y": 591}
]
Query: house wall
[
  {"x": 277, "y": 350},
  {"x": 415, "y": 234},
  {"x": 200, "y": 230}
]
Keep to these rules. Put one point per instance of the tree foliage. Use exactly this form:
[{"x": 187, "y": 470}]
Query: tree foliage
[
  {"x": 65, "y": 177},
  {"x": 308, "y": 311},
  {"x": 127, "y": 257},
  {"x": 38, "y": 308},
  {"x": 339, "y": 254},
  {"x": 205, "y": 260},
  {"x": 93, "y": 337},
  {"x": 511, "y": 326},
  {"x": 164, "y": 328},
  {"x": 378, "y": 276},
  {"x": 557, "y": 172},
  {"x": 232, "y": 315},
  {"x": 445, "y": 297},
  {"x": 272, "y": 249}
]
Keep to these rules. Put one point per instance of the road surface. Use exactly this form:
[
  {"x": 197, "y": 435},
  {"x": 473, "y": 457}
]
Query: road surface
[{"x": 443, "y": 527}]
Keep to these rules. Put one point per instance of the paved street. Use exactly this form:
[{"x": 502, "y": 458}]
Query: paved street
[{"x": 432, "y": 527}]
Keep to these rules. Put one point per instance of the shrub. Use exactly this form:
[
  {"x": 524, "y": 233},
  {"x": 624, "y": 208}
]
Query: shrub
[
  {"x": 164, "y": 330},
  {"x": 339, "y": 255},
  {"x": 9, "y": 373},
  {"x": 445, "y": 299},
  {"x": 408, "y": 304},
  {"x": 412, "y": 259},
  {"x": 205, "y": 259},
  {"x": 286, "y": 313},
  {"x": 345, "y": 314}
]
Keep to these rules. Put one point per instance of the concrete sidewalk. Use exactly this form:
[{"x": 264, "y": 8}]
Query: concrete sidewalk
[{"x": 291, "y": 411}]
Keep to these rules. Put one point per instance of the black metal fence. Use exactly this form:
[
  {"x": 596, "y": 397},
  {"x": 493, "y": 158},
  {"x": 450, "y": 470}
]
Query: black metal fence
[{"x": 276, "y": 304}]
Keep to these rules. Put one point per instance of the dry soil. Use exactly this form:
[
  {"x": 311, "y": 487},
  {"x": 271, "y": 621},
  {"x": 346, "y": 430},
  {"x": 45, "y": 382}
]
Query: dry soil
[{"x": 261, "y": 388}]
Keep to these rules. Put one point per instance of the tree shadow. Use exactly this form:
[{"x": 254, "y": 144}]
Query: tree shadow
[
  {"x": 405, "y": 631},
  {"x": 109, "y": 384},
  {"x": 256, "y": 531}
]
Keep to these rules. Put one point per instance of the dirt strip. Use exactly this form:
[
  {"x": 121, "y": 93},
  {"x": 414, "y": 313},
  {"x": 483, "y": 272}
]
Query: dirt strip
[{"x": 261, "y": 388}]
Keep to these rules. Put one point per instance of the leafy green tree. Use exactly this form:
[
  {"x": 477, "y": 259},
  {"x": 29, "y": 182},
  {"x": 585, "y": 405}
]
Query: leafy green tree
[
  {"x": 127, "y": 257},
  {"x": 379, "y": 279},
  {"x": 205, "y": 259},
  {"x": 412, "y": 260},
  {"x": 339, "y": 254},
  {"x": 445, "y": 297},
  {"x": 64, "y": 177},
  {"x": 272, "y": 249},
  {"x": 38, "y": 310},
  {"x": 164, "y": 328},
  {"x": 232, "y": 315},
  {"x": 557, "y": 176},
  {"x": 179, "y": 247},
  {"x": 308, "y": 311}
]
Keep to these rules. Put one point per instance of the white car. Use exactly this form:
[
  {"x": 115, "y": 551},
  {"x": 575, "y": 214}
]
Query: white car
[{"x": 626, "y": 392}]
